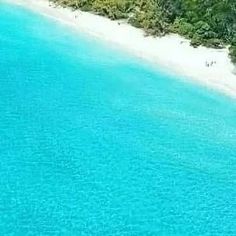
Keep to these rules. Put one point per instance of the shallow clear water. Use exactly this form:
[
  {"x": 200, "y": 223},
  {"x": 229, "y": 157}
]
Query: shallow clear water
[{"x": 95, "y": 142}]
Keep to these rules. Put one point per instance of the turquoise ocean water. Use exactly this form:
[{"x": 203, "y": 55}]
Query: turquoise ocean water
[{"x": 96, "y": 142}]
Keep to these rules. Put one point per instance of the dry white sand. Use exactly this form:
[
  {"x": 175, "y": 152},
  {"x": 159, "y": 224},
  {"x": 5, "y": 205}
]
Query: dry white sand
[{"x": 172, "y": 52}]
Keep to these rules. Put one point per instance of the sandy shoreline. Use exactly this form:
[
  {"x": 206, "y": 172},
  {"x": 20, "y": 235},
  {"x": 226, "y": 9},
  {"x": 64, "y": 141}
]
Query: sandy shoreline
[{"x": 171, "y": 52}]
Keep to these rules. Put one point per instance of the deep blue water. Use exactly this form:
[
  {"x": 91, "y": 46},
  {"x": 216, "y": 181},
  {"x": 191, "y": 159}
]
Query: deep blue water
[{"x": 96, "y": 142}]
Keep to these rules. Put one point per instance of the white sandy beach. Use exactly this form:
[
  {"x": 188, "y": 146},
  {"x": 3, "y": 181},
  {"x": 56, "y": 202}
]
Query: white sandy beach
[{"x": 171, "y": 52}]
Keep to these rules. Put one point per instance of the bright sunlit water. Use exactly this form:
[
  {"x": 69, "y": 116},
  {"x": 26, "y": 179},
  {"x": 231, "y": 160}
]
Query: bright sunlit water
[{"x": 96, "y": 142}]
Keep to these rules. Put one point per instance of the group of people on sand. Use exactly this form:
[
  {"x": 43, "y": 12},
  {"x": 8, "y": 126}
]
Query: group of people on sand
[{"x": 209, "y": 64}]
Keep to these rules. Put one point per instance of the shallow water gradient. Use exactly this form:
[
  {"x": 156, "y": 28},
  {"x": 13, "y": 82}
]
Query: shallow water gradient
[{"x": 96, "y": 142}]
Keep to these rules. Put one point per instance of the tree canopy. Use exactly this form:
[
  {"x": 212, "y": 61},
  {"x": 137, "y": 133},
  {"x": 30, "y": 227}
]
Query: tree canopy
[{"x": 211, "y": 23}]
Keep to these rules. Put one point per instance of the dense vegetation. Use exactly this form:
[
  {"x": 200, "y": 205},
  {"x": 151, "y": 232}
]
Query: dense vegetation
[{"x": 206, "y": 22}]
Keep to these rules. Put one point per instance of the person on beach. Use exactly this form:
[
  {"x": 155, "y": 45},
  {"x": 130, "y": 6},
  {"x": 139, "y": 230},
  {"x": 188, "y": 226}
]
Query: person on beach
[{"x": 210, "y": 64}]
